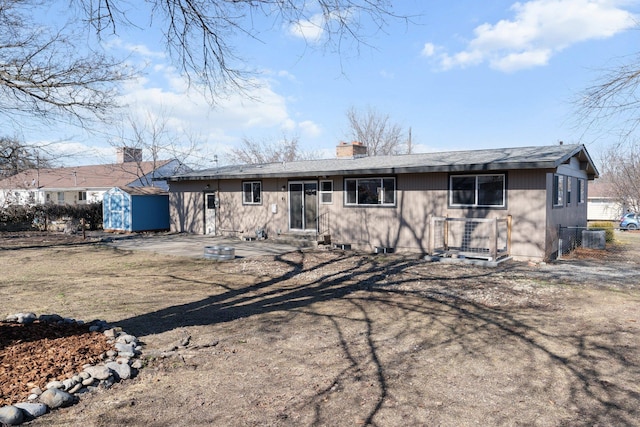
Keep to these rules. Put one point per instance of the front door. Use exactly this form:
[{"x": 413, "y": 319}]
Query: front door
[
  {"x": 210, "y": 213},
  {"x": 303, "y": 206}
]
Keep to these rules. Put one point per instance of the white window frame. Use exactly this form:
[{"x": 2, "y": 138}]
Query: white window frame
[
  {"x": 380, "y": 192},
  {"x": 327, "y": 193},
  {"x": 82, "y": 196},
  {"x": 251, "y": 185},
  {"x": 60, "y": 197},
  {"x": 476, "y": 191}
]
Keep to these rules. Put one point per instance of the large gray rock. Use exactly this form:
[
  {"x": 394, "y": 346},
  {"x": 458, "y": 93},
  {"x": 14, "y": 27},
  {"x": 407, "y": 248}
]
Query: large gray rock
[
  {"x": 125, "y": 350},
  {"x": 50, "y": 318},
  {"x": 99, "y": 372},
  {"x": 11, "y": 415},
  {"x": 56, "y": 398},
  {"x": 32, "y": 410},
  {"x": 121, "y": 369},
  {"x": 126, "y": 339}
]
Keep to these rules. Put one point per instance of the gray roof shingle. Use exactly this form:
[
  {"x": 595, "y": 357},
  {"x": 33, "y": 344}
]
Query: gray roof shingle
[{"x": 542, "y": 157}]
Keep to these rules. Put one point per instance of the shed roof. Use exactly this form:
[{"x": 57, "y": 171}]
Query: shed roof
[
  {"x": 143, "y": 191},
  {"x": 542, "y": 157},
  {"x": 94, "y": 176}
]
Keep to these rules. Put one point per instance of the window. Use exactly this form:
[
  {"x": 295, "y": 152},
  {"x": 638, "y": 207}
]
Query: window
[
  {"x": 252, "y": 193},
  {"x": 477, "y": 190},
  {"x": 211, "y": 201},
  {"x": 326, "y": 192},
  {"x": 60, "y": 198},
  {"x": 558, "y": 190},
  {"x": 82, "y": 196},
  {"x": 370, "y": 191},
  {"x": 569, "y": 181},
  {"x": 581, "y": 190}
]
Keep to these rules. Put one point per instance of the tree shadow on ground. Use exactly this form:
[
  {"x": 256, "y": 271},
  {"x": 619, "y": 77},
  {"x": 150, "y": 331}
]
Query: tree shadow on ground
[{"x": 586, "y": 369}]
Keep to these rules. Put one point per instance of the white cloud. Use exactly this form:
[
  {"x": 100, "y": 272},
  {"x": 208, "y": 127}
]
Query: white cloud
[
  {"x": 310, "y": 30},
  {"x": 428, "y": 50},
  {"x": 539, "y": 29},
  {"x": 310, "y": 129},
  {"x": 313, "y": 29}
]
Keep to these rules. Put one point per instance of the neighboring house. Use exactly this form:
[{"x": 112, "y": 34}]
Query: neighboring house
[
  {"x": 497, "y": 202},
  {"x": 601, "y": 205},
  {"x": 85, "y": 184},
  {"x": 133, "y": 209}
]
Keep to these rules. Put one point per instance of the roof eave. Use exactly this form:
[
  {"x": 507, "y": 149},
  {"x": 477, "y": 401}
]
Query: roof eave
[{"x": 371, "y": 171}]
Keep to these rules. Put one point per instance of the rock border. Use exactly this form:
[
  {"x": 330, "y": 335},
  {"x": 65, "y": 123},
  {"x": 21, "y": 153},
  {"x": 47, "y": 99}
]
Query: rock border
[{"x": 118, "y": 364}]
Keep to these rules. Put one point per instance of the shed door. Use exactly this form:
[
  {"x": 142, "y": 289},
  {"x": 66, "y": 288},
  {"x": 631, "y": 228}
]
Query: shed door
[
  {"x": 117, "y": 212},
  {"x": 210, "y": 213}
]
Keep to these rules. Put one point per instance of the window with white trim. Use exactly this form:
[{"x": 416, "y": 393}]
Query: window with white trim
[
  {"x": 326, "y": 192},
  {"x": 370, "y": 192},
  {"x": 477, "y": 190},
  {"x": 82, "y": 196},
  {"x": 252, "y": 193},
  {"x": 558, "y": 190},
  {"x": 569, "y": 182},
  {"x": 60, "y": 197}
]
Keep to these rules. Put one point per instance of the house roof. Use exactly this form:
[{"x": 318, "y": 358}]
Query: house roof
[
  {"x": 81, "y": 177},
  {"x": 543, "y": 157},
  {"x": 143, "y": 191},
  {"x": 602, "y": 188}
]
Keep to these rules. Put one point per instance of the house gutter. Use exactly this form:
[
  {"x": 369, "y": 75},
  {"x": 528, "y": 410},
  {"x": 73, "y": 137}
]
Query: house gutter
[{"x": 370, "y": 171}]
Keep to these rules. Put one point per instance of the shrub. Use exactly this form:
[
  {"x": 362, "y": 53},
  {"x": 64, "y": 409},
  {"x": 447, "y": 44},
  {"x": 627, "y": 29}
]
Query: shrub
[
  {"x": 39, "y": 216},
  {"x": 607, "y": 226}
]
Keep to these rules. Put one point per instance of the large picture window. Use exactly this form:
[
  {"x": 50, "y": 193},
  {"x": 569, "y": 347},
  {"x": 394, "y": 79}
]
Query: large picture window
[
  {"x": 370, "y": 191},
  {"x": 252, "y": 193},
  {"x": 477, "y": 190}
]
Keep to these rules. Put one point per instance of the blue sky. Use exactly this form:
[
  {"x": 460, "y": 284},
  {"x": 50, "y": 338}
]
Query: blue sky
[{"x": 464, "y": 75}]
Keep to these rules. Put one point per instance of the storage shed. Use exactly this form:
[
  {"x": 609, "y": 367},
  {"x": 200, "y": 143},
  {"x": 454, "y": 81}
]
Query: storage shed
[{"x": 132, "y": 209}]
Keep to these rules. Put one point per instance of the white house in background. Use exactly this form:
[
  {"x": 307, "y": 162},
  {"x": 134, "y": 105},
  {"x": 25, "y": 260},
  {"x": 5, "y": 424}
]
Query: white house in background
[
  {"x": 86, "y": 184},
  {"x": 601, "y": 206}
]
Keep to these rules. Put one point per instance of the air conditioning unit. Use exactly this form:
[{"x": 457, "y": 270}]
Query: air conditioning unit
[{"x": 593, "y": 239}]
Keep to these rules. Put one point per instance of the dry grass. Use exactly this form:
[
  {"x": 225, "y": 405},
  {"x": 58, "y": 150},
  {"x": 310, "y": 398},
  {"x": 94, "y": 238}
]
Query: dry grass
[{"x": 342, "y": 339}]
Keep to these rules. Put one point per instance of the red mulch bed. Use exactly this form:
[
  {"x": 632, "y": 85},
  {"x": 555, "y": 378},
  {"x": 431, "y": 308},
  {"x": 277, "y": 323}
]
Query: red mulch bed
[{"x": 34, "y": 354}]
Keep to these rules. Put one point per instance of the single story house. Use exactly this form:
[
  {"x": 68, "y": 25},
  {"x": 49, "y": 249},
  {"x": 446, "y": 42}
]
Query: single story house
[
  {"x": 495, "y": 202},
  {"x": 85, "y": 184},
  {"x": 134, "y": 209}
]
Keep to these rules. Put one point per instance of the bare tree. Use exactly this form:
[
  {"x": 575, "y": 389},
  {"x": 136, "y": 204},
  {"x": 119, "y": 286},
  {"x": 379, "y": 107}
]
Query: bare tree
[
  {"x": 16, "y": 156},
  {"x": 152, "y": 134},
  {"x": 612, "y": 105},
  {"x": 621, "y": 170},
  {"x": 376, "y": 131},
  {"x": 286, "y": 149},
  {"x": 199, "y": 34},
  {"x": 42, "y": 73},
  {"x": 46, "y": 70}
]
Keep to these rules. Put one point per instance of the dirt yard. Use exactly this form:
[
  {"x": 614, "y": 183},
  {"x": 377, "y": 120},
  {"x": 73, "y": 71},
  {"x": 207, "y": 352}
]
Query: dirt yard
[{"x": 346, "y": 339}]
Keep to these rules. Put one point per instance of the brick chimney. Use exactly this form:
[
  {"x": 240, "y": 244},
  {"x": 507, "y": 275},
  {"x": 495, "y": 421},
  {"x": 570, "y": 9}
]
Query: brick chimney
[
  {"x": 354, "y": 149},
  {"x": 128, "y": 154}
]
